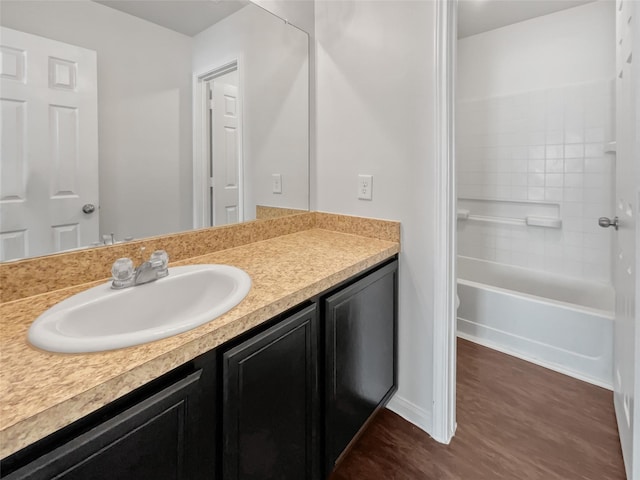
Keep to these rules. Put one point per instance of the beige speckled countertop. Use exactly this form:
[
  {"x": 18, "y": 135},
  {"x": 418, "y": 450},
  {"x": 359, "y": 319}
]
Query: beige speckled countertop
[{"x": 42, "y": 392}]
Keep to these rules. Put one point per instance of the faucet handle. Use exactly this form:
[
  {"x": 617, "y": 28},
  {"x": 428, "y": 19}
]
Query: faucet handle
[
  {"x": 160, "y": 261},
  {"x": 122, "y": 272}
]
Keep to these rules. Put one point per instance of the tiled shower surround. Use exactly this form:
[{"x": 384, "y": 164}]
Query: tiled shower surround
[{"x": 541, "y": 149}]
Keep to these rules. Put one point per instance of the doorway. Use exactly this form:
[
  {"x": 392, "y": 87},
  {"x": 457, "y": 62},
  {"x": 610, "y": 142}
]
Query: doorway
[
  {"x": 540, "y": 142},
  {"x": 218, "y": 163}
]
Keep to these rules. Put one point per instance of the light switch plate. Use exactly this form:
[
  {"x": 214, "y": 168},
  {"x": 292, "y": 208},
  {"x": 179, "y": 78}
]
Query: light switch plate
[{"x": 276, "y": 180}]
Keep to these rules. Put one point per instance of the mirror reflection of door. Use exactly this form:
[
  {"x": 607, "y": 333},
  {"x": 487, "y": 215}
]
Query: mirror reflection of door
[
  {"x": 49, "y": 167},
  {"x": 224, "y": 149}
]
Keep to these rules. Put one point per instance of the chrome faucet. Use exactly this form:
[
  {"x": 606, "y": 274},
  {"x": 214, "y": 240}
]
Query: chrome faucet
[{"x": 124, "y": 275}]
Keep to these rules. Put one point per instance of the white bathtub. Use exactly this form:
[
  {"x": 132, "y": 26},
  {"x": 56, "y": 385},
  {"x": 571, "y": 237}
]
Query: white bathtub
[{"x": 558, "y": 322}]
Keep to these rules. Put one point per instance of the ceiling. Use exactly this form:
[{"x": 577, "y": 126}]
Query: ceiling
[
  {"x": 477, "y": 16},
  {"x": 189, "y": 17}
]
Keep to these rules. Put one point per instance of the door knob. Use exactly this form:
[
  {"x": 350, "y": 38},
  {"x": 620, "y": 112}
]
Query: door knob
[
  {"x": 88, "y": 208},
  {"x": 605, "y": 222}
]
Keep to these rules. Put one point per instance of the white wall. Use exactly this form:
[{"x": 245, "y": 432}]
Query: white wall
[
  {"x": 375, "y": 115},
  {"x": 301, "y": 13},
  {"x": 535, "y": 109},
  {"x": 144, "y": 109},
  {"x": 297, "y": 12},
  {"x": 274, "y": 79},
  {"x": 541, "y": 53}
]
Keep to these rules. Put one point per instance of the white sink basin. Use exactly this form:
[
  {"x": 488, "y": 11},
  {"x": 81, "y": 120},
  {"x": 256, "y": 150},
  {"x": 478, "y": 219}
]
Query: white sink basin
[{"x": 104, "y": 319}]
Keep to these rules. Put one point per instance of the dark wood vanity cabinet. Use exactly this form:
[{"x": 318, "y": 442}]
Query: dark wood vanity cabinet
[
  {"x": 360, "y": 337},
  {"x": 282, "y": 401},
  {"x": 165, "y": 430},
  {"x": 273, "y": 426},
  {"x": 270, "y": 403}
]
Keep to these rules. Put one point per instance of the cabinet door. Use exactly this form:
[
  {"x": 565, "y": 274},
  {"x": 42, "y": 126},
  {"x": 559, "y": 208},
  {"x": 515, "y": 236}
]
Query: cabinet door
[
  {"x": 360, "y": 356},
  {"x": 151, "y": 440},
  {"x": 270, "y": 403}
]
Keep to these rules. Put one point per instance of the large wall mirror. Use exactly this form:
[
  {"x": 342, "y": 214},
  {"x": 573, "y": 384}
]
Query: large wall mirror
[{"x": 123, "y": 119}]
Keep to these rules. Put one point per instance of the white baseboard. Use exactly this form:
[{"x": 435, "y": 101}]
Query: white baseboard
[
  {"x": 550, "y": 366},
  {"x": 420, "y": 417}
]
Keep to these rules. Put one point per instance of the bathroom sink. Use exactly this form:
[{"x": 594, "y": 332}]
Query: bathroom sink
[{"x": 104, "y": 319}]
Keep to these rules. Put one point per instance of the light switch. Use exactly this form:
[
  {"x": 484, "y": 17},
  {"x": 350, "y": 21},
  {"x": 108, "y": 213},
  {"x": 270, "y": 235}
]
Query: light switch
[{"x": 276, "y": 180}]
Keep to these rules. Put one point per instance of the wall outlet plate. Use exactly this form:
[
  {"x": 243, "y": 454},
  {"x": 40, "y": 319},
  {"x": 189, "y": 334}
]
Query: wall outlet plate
[{"x": 365, "y": 187}]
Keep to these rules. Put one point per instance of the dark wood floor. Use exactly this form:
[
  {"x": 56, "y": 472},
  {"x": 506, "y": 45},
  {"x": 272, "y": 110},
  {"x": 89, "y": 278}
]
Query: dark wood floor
[{"x": 516, "y": 421}]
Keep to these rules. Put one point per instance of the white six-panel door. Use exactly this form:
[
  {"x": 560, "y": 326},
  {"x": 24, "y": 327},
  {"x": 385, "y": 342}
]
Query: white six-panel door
[
  {"x": 626, "y": 348},
  {"x": 49, "y": 153},
  {"x": 225, "y": 154}
]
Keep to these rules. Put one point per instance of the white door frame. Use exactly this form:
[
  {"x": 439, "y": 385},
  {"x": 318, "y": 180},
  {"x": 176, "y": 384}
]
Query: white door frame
[
  {"x": 444, "y": 305},
  {"x": 201, "y": 184}
]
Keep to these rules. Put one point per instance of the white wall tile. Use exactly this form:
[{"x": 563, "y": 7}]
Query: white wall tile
[
  {"x": 554, "y": 165},
  {"x": 503, "y": 179},
  {"x": 535, "y": 166},
  {"x": 535, "y": 261},
  {"x": 519, "y": 259},
  {"x": 535, "y": 179},
  {"x": 595, "y": 134},
  {"x": 593, "y": 255},
  {"x": 503, "y": 243},
  {"x": 519, "y": 165},
  {"x": 555, "y": 135},
  {"x": 533, "y": 150},
  {"x": 593, "y": 150},
  {"x": 572, "y": 209},
  {"x": 573, "y": 180},
  {"x": 503, "y": 192},
  {"x": 519, "y": 192},
  {"x": 573, "y": 253},
  {"x": 596, "y": 272},
  {"x": 593, "y": 210},
  {"x": 572, "y": 224},
  {"x": 537, "y": 136},
  {"x": 595, "y": 180},
  {"x": 537, "y": 152},
  {"x": 520, "y": 152},
  {"x": 598, "y": 241},
  {"x": 552, "y": 236},
  {"x": 503, "y": 256},
  {"x": 554, "y": 151},
  {"x": 535, "y": 193},
  {"x": 536, "y": 248},
  {"x": 599, "y": 195},
  {"x": 597, "y": 165},
  {"x": 573, "y": 239},
  {"x": 573, "y": 194},
  {"x": 553, "y": 194},
  {"x": 590, "y": 225},
  {"x": 519, "y": 245},
  {"x": 574, "y": 165},
  {"x": 572, "y": 268},
  {"x": 573, "y": 136},
  {"x": 574, "y": 151},
  {"x": 554, "y": 180}
]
